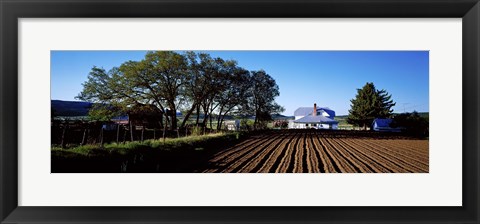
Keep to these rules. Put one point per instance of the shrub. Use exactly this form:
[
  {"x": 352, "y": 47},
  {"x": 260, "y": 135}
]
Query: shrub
[
  {"x": 282, "y": 124},
  {"x": 412, "y": 123}
]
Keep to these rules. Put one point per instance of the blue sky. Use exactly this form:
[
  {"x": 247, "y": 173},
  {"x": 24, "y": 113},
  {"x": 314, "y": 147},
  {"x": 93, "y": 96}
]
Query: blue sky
[{"x": 328, "y": 78}]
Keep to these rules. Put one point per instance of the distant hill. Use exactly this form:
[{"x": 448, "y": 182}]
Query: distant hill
[
  {"x": 421, "y": 114},
  {"x": 63, "y": 108},
  {"x": 70, "y": 108},
  {"x": 281, "y": 117}
]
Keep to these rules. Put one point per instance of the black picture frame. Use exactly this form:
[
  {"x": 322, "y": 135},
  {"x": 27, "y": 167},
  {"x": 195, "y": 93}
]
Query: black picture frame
[{"x": 11, "y": 11}]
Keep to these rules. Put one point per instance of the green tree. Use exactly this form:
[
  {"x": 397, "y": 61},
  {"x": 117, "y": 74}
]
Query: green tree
[
  {"x": 368, "y": 104},
  {"x": 262, "y": 103},
  {"x": 205, "y": 83},
  {"x": 165, "y": 75},
  {"x": 157, "y": 80},
  {"x": 190, "y": 81},
  {"x": 236, "y": 92},
  {"x": 103, "y": 113},
  {"x": 411, "y": 123}
]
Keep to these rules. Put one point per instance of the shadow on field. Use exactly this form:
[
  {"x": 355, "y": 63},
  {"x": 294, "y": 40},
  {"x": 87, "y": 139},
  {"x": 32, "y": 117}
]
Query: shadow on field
[{"x": 185, "y": 159}]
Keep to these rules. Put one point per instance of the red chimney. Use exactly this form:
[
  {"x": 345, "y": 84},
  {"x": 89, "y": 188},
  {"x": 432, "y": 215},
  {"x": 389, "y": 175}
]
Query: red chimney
[{"x": 314, "y": 109}]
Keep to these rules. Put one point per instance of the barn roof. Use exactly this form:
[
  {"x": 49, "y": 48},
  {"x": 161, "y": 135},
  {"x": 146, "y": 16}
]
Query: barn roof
[
  {"x": 316, "y": 119},
  {"x": 304, "y": 111},
  {"x": 383, "y": 122}
]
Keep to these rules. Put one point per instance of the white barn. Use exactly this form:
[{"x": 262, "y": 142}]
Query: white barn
[{"x": 314, "y": 117}]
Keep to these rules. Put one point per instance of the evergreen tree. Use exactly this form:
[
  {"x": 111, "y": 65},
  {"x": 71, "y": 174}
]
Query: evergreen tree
[{"x": 369, "y": 103}]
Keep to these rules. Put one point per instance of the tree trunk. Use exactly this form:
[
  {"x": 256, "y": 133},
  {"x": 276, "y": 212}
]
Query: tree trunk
[
  {"x": 131, "y": 130},
  {"x": 154, "y": 133},
  {"x": 198, "y": 114},
  {"x": 124, "y": 135},
  {"x": 211, "y": 126},
  {"x": 173, "y": 110},
  {"x": 255, "y": 122},
  {"x": 219, "y": 117},
  {"x": 118, "y": 132},
  {"x": 187, "y": 115},
  {"x": 164, "y": 128},
  {"x": 143, "y": 130},
  {"x": 223, "y": 116},
  {"x": 173, "y": 126},
  {"x": 205, "y": 115}
]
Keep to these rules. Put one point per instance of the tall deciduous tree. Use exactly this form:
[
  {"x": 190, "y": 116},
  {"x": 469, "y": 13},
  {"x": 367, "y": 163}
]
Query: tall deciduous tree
[
  {"x": 165, "y": 75},
  {"x": 205, "y": 83},
  {"x": 368, "y": 104},
  {"x": 262, "y": 103},
  {"x": 236, "y": 81},
  {"x": 157, "y": 80},
  {"x": 191, "y": 81}
]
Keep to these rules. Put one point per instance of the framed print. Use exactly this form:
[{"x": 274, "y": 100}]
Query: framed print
[{"x": 91, "y": 130}]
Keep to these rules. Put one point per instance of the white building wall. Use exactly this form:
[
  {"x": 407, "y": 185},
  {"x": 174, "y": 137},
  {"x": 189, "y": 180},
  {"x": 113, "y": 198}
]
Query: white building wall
[
  {"x": 293, "y": 125},
  {"x": 232, "y": 125}
]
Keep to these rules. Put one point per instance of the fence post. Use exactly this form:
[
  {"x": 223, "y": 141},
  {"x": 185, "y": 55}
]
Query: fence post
[
  {"x": 101, "y": 136},
  {"x": 65, "y": 126},
  {"x": 84, "y": 136}
]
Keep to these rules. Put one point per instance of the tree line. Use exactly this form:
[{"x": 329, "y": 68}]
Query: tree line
[
  {"x": 190, "y": 82},
  {"x": 371, "y": 103}
]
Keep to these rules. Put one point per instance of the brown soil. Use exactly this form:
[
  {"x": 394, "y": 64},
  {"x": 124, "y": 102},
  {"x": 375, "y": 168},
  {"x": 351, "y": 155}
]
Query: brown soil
[{"x": 314, "y": 151}]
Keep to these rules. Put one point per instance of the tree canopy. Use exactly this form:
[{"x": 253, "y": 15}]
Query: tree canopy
[
  {"x": 368, "y": 104},
  {"x": 262, "y": 103},
  {"x": 411, "y": 123},
  {"x": 188, "y": 82}
]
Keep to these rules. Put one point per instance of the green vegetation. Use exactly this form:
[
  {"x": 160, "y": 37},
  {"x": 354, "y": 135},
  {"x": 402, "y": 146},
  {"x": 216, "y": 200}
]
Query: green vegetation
[
  {"x": 189, "y": 82},
  {"x": 412, "y": 123},
  {"x": 184, "y": 155},
  {"x": 342, "y": 123},
  {"x": 369, "y": 103},
  {"x": 183, "y": 143}
]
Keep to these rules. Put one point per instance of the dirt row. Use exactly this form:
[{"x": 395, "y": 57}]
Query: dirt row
[{"x": 313, "y": 151}]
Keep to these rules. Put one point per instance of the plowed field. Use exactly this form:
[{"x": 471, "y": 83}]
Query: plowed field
[{"x": 313, "y": 151}]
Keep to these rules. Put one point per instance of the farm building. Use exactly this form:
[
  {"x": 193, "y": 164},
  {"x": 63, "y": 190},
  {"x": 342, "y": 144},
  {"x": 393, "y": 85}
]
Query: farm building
[
  {"x": 141, "y": 115},
  {"x": 383, "y": 124},
  {"x": 232, "y": 125},
  {"x": 314, "y": 117}
]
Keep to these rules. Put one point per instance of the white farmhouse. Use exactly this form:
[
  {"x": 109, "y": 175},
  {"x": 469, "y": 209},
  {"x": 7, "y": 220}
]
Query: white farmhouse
[{"x": 313, "y": 117}]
